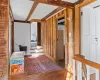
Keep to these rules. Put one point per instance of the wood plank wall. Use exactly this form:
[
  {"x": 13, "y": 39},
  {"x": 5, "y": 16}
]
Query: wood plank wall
[
  {"x": 49, "y": 35},
  {"x": 4, "y": 26}
]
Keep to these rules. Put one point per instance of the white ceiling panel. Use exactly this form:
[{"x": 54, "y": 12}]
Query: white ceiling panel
[
  {"x": 95, "y": 4},
  {"x": 21, "y": 8},
  {"x": 72, "y": 1},
  {"x": 42, "y": 10}
]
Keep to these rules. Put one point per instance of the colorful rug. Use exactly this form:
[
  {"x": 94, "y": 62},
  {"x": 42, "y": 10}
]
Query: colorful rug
[{"x": 40, "y": 64}]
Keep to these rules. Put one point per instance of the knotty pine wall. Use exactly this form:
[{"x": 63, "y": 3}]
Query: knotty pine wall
[
  {"x": 49, "y": 37},
  {"x": 4, "y": 26}
]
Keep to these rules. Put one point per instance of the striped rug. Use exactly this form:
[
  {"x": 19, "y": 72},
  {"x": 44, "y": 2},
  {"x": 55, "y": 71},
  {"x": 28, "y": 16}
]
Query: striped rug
[{"x": 40, "y": 64}]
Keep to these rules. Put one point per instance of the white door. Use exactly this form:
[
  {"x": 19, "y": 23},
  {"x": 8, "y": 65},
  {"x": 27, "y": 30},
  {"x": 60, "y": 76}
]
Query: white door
[
  {"x": 89, "y": 38},
  {"x": 88, "y": 34},
  {"x": 97, "y": 20}
]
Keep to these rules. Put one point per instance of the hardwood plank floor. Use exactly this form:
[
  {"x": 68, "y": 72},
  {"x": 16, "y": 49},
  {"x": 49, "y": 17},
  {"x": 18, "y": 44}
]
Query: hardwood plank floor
[
  {"x": 49, "y": 73},
  {"x": 54, "y": 75}
]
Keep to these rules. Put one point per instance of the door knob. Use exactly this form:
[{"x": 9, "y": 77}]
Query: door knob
[{"x": 96, "y": 39}]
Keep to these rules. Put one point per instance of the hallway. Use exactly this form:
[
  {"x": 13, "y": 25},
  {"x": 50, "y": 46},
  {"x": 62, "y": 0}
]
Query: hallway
[
  {"x": 40, "y": 63},
  {"x": 55, "y": 75},
  {"x": 40, "y": 67},
  {"x": 56, "y": 26}
]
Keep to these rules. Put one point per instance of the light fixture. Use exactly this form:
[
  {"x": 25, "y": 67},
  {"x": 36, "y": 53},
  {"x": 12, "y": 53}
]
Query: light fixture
[{"x": 71, "y": 1}]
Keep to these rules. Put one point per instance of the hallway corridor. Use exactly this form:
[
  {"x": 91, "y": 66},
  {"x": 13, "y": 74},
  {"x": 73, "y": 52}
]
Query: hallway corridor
[
  {"x": 54, "y": 75},
  {"x": 39, "y": 67},
  {"x": 40, "y": 63}
]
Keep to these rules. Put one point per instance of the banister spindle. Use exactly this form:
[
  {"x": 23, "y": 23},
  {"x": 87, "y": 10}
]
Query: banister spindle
[
  {"x": 97, "y": 74},
  {"x": 79, "y": 68},
  {"x": 74, "y": 70}
]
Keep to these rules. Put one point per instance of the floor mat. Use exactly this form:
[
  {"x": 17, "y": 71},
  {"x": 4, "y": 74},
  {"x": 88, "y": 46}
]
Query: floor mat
[{"x": 40, "y": 64}]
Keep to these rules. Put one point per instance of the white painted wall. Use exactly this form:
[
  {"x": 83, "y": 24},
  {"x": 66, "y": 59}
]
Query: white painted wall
[
  {"x": 34, "y": 34},
  {"x": 34, "y": 31},
  {"x": 22, "y": 35}
]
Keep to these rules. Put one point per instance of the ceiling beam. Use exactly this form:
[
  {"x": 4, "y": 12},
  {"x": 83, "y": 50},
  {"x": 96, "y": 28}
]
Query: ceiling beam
[
  {"x": 32, "y": 9},
  {"x": 56, "y": 3},
  {"x": 53, "y": 12},
  {"x": 78, "y": 2},
  {"x": 35, "y": 20},
  {"x": 21, "y": 21}
]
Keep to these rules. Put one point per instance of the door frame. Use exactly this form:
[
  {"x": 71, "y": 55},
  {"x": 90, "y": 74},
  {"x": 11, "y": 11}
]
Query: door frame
[
  {"x": 77, "y": 27},
  {"x": 65, "y": 14}
]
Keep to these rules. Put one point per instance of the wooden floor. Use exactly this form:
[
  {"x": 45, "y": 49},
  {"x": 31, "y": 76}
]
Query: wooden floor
[
  {"x": 55, "y": 75},
  {"x": 51, "y": 75}
]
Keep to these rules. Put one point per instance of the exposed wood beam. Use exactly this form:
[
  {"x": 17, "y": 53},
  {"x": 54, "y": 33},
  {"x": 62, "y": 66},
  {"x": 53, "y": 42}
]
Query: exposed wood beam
[
  {"x": 78, "y": 2},
  {"x": 53, "y": 12},
  {"x": 21, "y": 21},
  {"x": 61, "y": 23},
  {"x": 32, "y": 9},
  {"x": 56, "y": 3},
  {"x": 12, "y": 36},
  {"x": 39, "y": 34},
  {"x": 35, "y": 20}
]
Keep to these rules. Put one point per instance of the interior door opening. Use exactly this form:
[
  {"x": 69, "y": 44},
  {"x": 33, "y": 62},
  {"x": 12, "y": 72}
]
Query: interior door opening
[
  {"x": 61, "y": 42},
  {"x": 90, "y": 34}
]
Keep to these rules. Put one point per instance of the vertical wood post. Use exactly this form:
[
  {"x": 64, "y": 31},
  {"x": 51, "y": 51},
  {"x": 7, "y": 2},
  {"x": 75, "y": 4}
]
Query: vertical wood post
[{"x": 4, "y": 39}]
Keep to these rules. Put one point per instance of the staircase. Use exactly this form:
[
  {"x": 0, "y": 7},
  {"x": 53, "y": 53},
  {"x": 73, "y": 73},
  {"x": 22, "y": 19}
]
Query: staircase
[
  {"x": 85, "y": 69},
  {"x": 37, "y": 49}
]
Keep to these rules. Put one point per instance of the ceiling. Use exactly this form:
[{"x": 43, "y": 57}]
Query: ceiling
[
  {"x": 95, "y": 4},
  {"x": 21, "y": 9},
  {"x": 42, "y": 10},
  {"x": 26, "y": 10}
]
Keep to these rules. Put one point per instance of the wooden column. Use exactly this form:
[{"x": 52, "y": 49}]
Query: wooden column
[
  {"x": 12, "y": 36},
  {"x": 39, "y": 34},
  {"x": 4, "y": 26}
]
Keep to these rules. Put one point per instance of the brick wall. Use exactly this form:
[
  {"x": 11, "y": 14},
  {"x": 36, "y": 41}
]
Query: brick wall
[{"x": 4, "y": 19}]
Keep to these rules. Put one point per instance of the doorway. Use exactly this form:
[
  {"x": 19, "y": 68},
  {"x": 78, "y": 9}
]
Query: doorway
[
  {"x": 90, "y": 34},
  {"x": 61, "y": 42},
  {"x": 33, "y": 34}
]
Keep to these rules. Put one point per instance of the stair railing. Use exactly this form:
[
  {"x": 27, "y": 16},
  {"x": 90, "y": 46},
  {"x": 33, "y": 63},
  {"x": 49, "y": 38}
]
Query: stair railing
[{"x": 82, "y": 66}]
